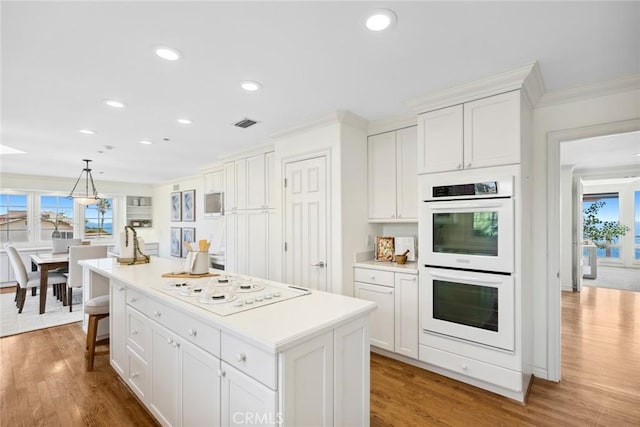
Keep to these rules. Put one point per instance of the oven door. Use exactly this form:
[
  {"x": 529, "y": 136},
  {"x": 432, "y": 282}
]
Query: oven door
[
  {"x": 477, "y": 307},
  {"x": 469, "y": 234}
]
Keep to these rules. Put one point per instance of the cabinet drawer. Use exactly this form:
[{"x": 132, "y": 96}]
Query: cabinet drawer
[
  {"x": 253, "y": 361},
  {"x": 137, "y": 331},
  {"x": 138, "y": 374},
  {"x": 137, "y": 300},
  {"x": 204, "y": 336},
  {"x": 462, "y": 365},
  {"x": 377, "y": 277}
]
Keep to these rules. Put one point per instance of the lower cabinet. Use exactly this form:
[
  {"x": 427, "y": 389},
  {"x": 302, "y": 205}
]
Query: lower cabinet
[
  {"x": 244, "y": 400},
  {"x": 394, "y": 324},
  {"x": 117, "y": 323}
]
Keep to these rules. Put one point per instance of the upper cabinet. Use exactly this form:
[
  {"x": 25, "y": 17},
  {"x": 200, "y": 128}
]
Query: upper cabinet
[
  {"x": 393, "y": 176},
  {"x": 139, "y": 211},
  {"x": 480, "y": 133},
  {"x": 214, "y": 182},
  {"x": 235, "y": 179},
  {"x": 249, "y": 183}
]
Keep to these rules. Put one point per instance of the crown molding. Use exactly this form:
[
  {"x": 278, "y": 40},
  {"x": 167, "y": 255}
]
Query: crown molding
[
  {"x": 389, "y": 124},
  {"x": 335, "y": 117},
  {"x": 594, "y": 90},
  {"x": 254, "y": 150},
  {"x": 527, "y": 76}
]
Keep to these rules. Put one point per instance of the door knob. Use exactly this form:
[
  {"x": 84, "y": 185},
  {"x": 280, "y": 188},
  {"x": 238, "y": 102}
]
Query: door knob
[{"x": 320, "y": 264}]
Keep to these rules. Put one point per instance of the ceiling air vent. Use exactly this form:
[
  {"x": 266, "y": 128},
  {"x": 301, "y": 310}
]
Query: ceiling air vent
[{"x": 245, "y": 123}]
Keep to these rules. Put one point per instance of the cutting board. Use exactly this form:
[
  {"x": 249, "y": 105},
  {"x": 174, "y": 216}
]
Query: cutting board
[{"x": 189, "y": 276}]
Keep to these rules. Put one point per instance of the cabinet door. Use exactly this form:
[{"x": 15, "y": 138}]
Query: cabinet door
[
  {"x": 199, "y": 391},
  {"x": 257, "y": 249},
  {"x": 244, "y": 401},
  {"x": 242, "y": 244},
  {"x": 407, "y": 173},
  {"x": 163, "y": 384},
  {"x": 440, "y": 140},
  {"x": 241, "y": 183},
  {"x": 230, "y": 198},
  {"x": 214, "y": 181},
  {"x": 382, "y": 318},
  {"x": 256, "y": 182},
  {"x": 492, "y": 131},
  {"x": 231, "y": 248},
  {"x": 406, "y": 313},
  {"x": 381, "y": 151},
  {"x": 307, "y": 390},
  {"x": 118, "y": 327},
  {"x": 274, "y": 246},
  {"x": 270, "y": 179}
]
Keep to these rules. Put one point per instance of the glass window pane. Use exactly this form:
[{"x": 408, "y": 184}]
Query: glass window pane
[
  {"x": 13, "y": 218},
  {"x": 609, "y": 211},
  {"x": 56, "y": 214},
  {"x": 98, "y": 219}
]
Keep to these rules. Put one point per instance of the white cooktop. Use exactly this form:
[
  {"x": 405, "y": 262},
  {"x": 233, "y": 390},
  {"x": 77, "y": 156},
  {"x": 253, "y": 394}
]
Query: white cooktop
[{"x": 226, "y": 298}]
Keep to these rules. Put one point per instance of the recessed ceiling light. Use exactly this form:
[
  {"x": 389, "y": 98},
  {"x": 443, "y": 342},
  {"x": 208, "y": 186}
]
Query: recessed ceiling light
[
  {"x": 146, "y": 142},
  {"x": 250, "y": 86},
  {"x": 87, "y": 131},
  {"x": 167, "y": 53},
  {"x": 380, "y": 20},
  {"x": 114, "y": 103},
  {"x": 184, "y": 121}
]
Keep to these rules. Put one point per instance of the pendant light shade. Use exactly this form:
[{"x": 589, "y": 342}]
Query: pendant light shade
[{"x": 86, "y": 197}]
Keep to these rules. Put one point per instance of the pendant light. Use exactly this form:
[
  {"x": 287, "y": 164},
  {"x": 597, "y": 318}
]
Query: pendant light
[{"x": 85, "y": 198}]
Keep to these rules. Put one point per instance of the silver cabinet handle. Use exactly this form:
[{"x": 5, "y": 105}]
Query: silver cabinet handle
[
  {"x": 193, "y": 332},
  {"x": 459, "y": 166},
  {"x": 468, "y": 165},
  {"x": 135, "y": 375},
  {"x": 134, "y": 332},
  {"x": 221, "y": 373},
  {"x": 121, "y": 288},
  {"x": 320, "y": 264},
  {"x": 157, "y": 314},
  {"x": 134, "y": 299},
  {"x": 241, "y": 357}
]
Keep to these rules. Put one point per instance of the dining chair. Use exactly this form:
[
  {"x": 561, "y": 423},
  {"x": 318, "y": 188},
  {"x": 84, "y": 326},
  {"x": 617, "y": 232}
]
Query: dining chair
[
  {"x": 28, "y": 280},
  {"x": 74, "y": 276}
]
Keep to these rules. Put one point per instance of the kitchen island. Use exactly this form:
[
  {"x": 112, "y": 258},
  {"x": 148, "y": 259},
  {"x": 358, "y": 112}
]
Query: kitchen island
[{"x": 281, "y": 356}]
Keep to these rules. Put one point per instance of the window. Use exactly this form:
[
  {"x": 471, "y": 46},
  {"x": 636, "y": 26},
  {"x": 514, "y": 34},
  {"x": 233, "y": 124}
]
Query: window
[
  {"x": 13, "y": 218},
  {"x": 636, "y": 225},
  {"x": 56, "y": 217},
  {"x": 610, "y": 211},
  {"x": 98, "y": 219}
]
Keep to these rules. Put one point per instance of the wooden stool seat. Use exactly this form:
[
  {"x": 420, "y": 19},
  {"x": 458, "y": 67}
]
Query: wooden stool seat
[{"x": 97, "y": 308}]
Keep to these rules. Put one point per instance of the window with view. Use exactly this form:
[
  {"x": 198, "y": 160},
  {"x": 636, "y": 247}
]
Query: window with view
[
  {"x": 56, "y": 217},
  {"x": 13, "y": 218},
  {"x": 610, "y": 211},
  {"x": 98, "y": 219},
  {"x": 636, "y": 225}
]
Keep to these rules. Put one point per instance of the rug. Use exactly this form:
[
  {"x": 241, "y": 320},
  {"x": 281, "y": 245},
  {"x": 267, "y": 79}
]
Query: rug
[
  {"x": 625, "y": 279},
  {"x": 55, "y": 314}
]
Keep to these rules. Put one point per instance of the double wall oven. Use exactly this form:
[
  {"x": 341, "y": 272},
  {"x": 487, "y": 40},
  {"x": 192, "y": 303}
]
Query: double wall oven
[{"x": 467, "y": 249}]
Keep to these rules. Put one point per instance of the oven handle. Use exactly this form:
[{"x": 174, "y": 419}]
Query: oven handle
[
  {"x": 467, "y": 278},
  {"x": 443, "y": 206}
]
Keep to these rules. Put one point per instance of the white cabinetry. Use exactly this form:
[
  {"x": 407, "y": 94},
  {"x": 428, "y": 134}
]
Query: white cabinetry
[
  {"x": 118, "y": 327},
  {"x": 245, "y": 401},
  {"x": 235, "y": 181},
  {"x": 139, "y": 211},
  {"x": 237, "y": 242},
  {"x": 393, "y": 177},
  {"x": 214, "y": 182},
  {"x": 394, "y": 324},
  {"x": 480, "y": 133}
]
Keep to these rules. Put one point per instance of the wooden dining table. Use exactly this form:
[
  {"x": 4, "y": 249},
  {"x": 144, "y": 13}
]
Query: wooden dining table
[{"x": 46, "y": 262}]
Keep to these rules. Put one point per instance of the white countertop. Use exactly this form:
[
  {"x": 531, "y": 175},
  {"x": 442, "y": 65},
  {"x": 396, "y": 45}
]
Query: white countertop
[
  {"x": 408, "y": 268},
  {"x": 274, "y": 327}
]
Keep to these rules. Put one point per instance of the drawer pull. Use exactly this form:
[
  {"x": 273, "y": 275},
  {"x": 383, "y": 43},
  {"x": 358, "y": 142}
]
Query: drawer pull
[
  {"x": 157, "y": 314},
  {"x": 169, "y": 340},
  {"x": 134, "y": 299},
  {"x": 221, "y": 373},
  {"x": 135, "y": 375},
  {"x": 373, "y": 277},
  {"x": 175, "y": 344},
  {"x": 241, "y": 357},
  {"x": 121, "y": 288},
  {"x": 464, "y": 367},
  {"x": 134, "y": 332},
  {"x": 193, "y": 332}
]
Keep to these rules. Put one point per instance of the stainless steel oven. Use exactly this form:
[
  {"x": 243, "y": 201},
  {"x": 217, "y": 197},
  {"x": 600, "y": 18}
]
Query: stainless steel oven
[
  {"x": 472, "y": 306},
  {"x": 467, "y": 223}
]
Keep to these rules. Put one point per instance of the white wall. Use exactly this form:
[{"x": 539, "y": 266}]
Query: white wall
[
  {"x": 570, "y": 115},
  {"x": 566, "y": 227}
]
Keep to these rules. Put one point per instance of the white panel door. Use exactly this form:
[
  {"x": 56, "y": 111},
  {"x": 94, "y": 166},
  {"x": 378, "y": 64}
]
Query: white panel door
[
  {"x": 382, "y": 318},
  {"x": 270, "y": 179},
  {"x": 440, "y": 140},
  {"x": 406, "y": 314},
  {"x": 257, "y": 246},
  {"x": 230, "y": 198},
  {"x": 256, "y": 182},
  {"x": 163, "y": 386},
  {"x": 244, "y": 401},
  {"x": 492, "y": 131},
  {"x": 381, "y": 152},
  {"x": 199, "y": 392},
  {"x": 306, "y": 223},
  {"x": 407, "y": 173},
  {"x": 231, "y": 234},
  {"x": 242, "y": 243}
]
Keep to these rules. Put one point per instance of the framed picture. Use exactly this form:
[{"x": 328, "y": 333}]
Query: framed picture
[
  {"x": 384, "y": 248},
  {"x": 176, "y": 241},
  {"x": 176, "y": 207},
  {"x": 189, "y": 205},
  {"x": 188, "y": 235}
]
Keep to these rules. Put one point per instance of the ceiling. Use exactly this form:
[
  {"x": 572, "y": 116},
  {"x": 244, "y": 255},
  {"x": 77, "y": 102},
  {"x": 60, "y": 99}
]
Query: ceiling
[
  {"x": 603, "y": 152},
  {"x": 61, "y": 59}
]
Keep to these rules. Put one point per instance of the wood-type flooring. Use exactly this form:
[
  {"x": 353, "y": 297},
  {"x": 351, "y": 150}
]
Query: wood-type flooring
[{"x": 43, "y": 381}]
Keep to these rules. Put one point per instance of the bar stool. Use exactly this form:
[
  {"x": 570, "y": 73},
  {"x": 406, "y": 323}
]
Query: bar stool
[{"x": 97, "y": 308}]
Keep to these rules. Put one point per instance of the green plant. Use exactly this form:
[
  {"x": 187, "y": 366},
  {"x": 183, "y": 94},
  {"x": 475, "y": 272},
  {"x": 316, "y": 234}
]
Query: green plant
[
  {"x": 601, "y": 233},
  {"x": 103, "y": 206}
]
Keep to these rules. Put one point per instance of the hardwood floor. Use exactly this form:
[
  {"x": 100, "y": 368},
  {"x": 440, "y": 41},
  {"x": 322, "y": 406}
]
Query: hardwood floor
[
  {"x": 600, "y": 377},
  {"x": 43, "y": 381}
]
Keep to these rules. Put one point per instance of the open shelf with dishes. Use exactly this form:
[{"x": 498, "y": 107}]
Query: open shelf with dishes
[{"x": 139, "y": 211}]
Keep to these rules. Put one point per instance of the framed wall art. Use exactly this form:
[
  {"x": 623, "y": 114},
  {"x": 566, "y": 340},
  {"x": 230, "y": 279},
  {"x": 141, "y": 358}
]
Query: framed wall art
[
  {"x": 189, "y": 236},
  {"x": 189, "y": 205},
  {"x": 176, "y": 206},
  {"x": 176, "y": 241}
]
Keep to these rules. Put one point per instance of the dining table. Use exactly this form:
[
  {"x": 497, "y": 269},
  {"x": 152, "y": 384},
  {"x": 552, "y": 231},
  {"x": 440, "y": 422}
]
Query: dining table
[{"x": 46, "y": 262}]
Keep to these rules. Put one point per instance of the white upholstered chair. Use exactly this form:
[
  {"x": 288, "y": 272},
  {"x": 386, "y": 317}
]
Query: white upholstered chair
[
  {"x": 28, "y": 280},
  {"x": 74, "y": 276}
]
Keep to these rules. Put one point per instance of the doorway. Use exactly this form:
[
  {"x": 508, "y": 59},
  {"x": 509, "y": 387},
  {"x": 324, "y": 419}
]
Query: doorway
[{"x": 306, "y": 223}]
